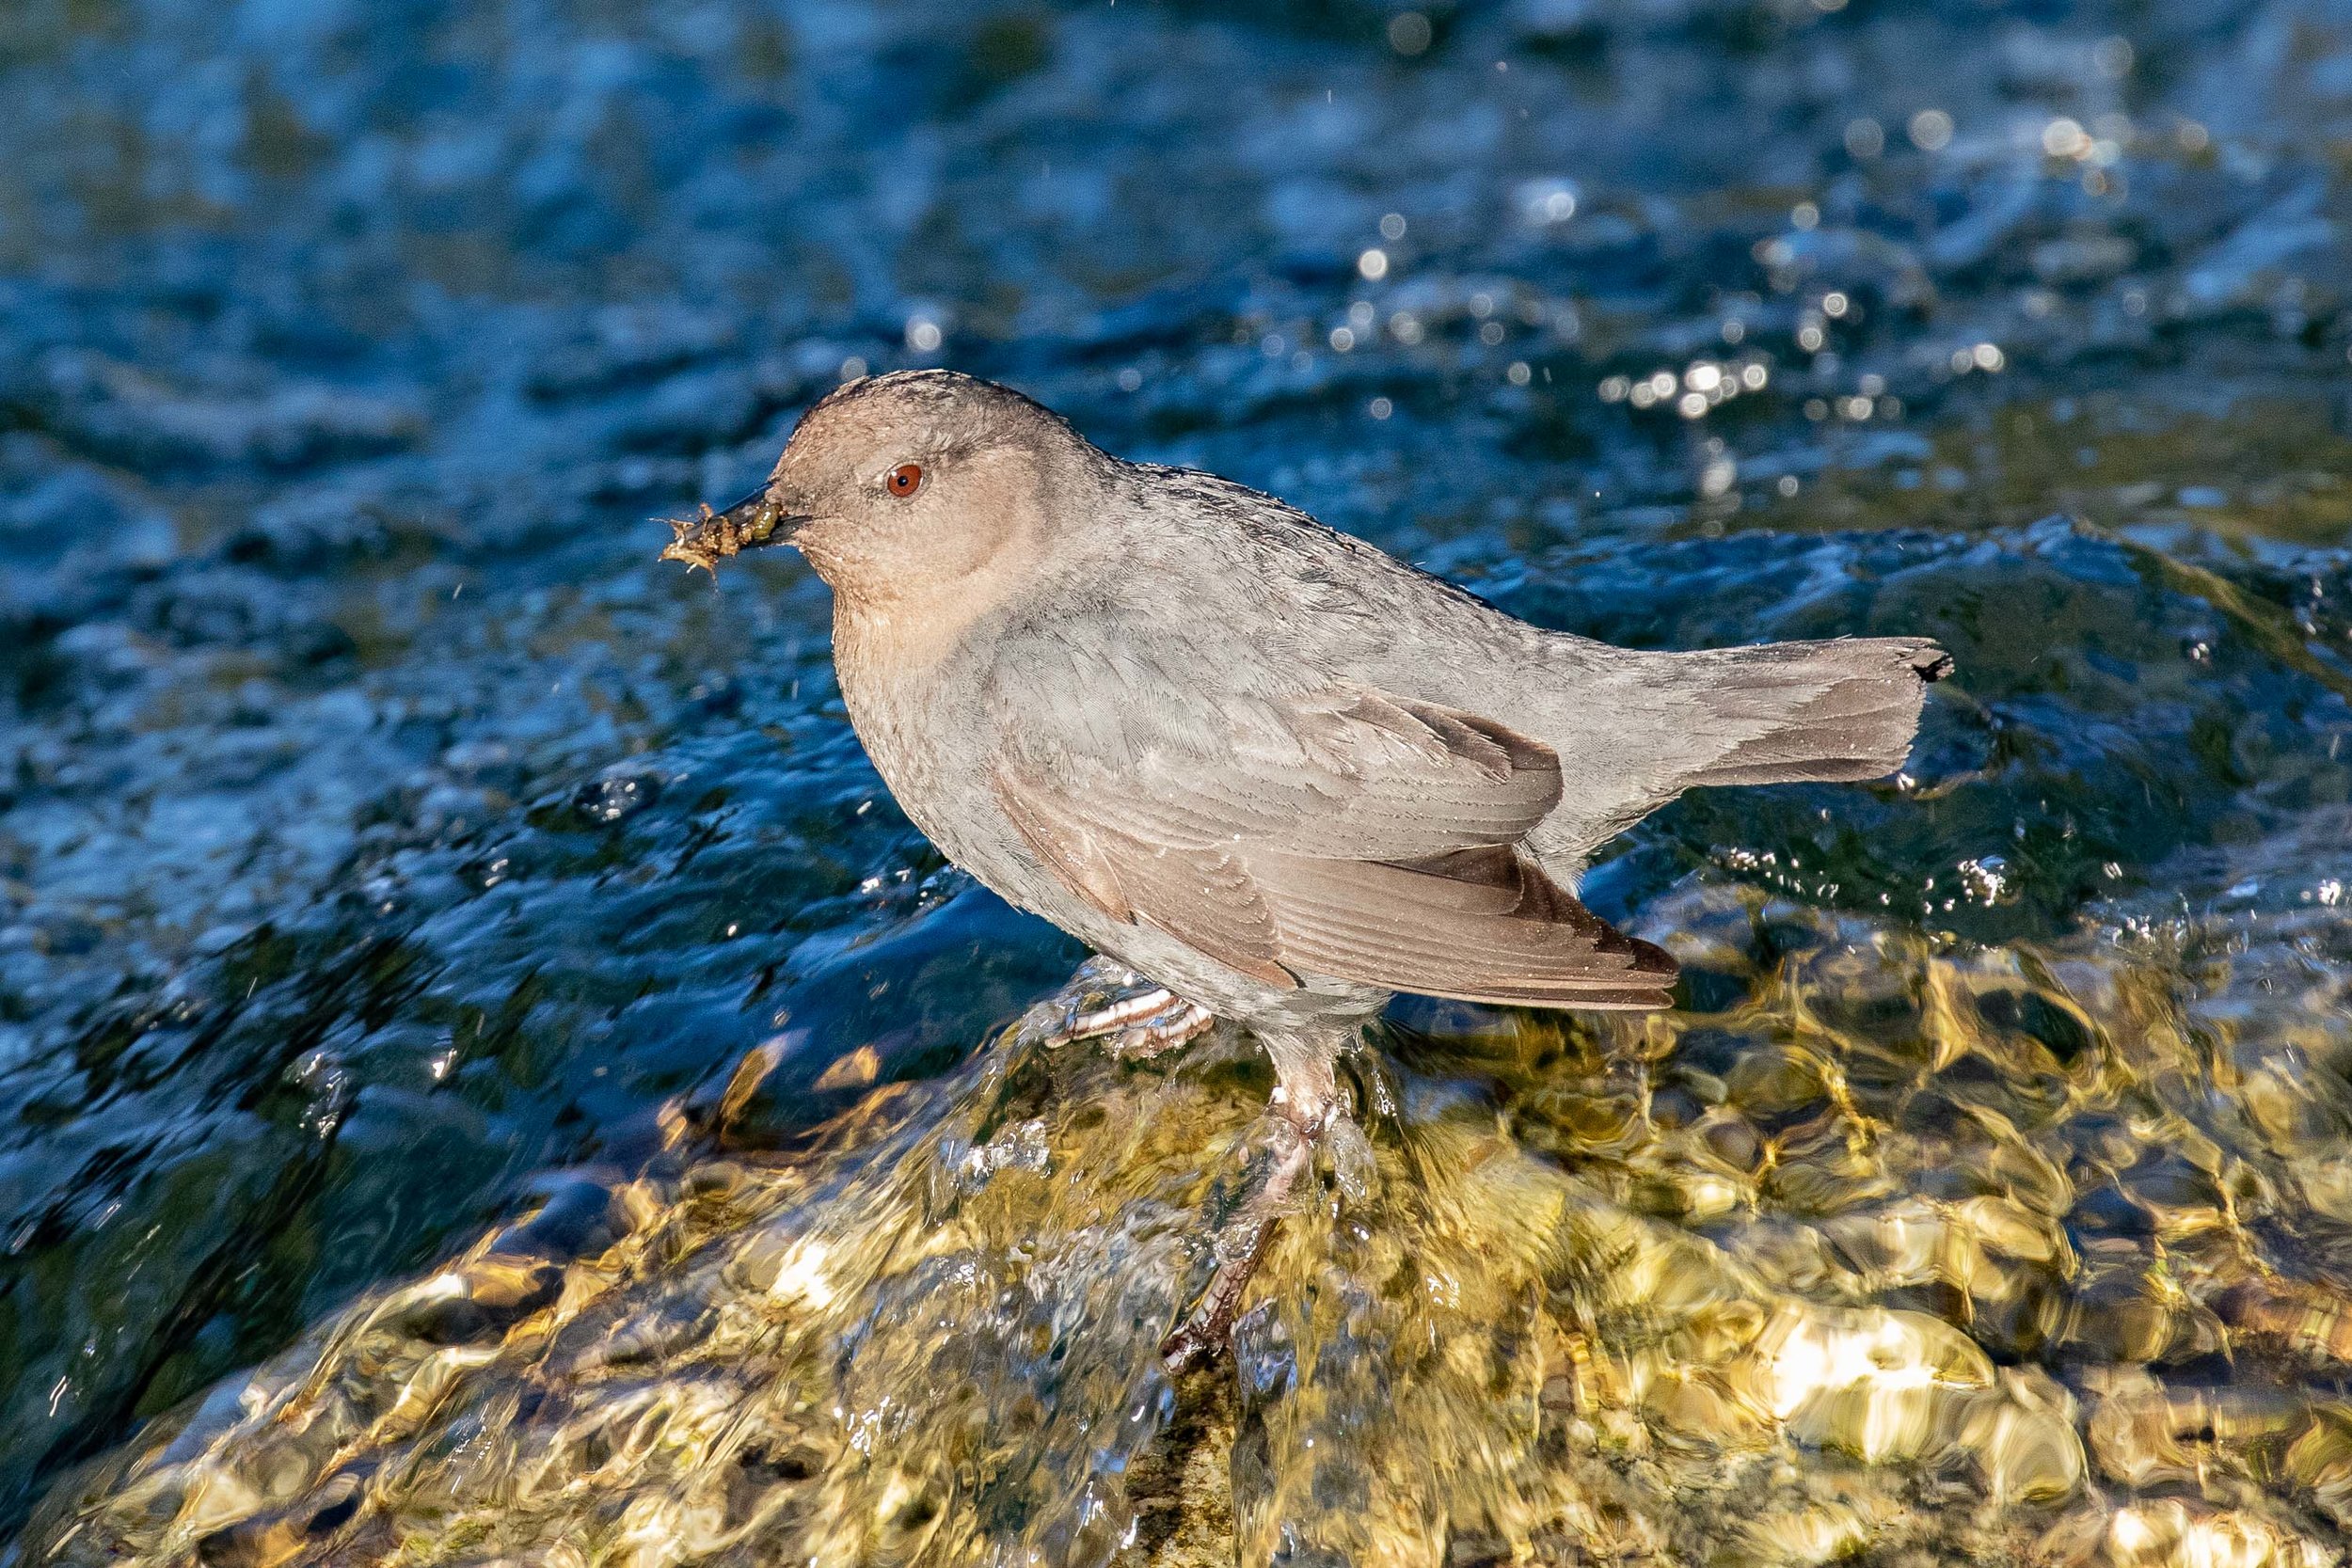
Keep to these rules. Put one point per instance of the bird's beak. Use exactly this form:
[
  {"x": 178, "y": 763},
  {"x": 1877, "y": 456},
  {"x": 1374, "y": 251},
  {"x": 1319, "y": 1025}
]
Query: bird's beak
[{"x": 756, "y": 520}]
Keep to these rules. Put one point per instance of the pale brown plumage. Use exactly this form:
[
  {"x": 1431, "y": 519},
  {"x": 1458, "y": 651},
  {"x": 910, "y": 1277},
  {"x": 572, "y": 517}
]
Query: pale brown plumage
[
  {"x": 1395, "y": 863},
  {"x": 1260, "y": 762}
]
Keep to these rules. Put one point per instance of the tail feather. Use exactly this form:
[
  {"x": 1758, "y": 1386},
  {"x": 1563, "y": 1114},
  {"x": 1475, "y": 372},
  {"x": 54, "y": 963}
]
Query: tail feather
[
  {"x": 1636, "y": 731},
  {"x": 1828, "y": 712}
]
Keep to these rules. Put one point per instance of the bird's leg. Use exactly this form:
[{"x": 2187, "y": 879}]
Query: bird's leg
[
  {"x": 1139, "y": 1018},
  {"x": 1240, "y": 1247},
  {"x": 1305, "y": 1106}
]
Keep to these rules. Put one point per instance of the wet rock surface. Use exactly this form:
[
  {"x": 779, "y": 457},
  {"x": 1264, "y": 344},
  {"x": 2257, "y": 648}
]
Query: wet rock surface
[
  {"x": 392, "y": 855},
  {"x": 1900, "y": 1251}
]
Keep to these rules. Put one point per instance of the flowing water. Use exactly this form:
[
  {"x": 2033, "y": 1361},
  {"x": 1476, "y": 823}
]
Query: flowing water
[{"x": 486, "y": 1075}]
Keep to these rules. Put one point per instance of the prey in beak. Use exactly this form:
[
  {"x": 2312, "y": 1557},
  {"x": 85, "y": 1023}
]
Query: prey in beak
[{"x": 706, "y": 540}]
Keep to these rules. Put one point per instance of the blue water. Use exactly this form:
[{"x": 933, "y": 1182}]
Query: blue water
[{"x": 384, "y": 830}]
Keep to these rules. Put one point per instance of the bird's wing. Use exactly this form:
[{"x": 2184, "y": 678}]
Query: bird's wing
[{"x": 1285, "y": 828}]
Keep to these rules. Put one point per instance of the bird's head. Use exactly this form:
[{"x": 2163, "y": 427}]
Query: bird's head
[{"x": 904, "y": 485}]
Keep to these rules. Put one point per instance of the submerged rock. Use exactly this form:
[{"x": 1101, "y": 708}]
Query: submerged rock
[{"x": 928, "y": 1333}]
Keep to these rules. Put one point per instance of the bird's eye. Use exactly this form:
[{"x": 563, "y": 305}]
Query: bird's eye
[{"x": 904, "y": 479}]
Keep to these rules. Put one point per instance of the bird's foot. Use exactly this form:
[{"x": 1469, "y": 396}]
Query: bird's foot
[
  {"x": 1172, "y": 1025},
  {"x": 1110, "y": 1002},
  {"x": 1291, "y": 1134}
]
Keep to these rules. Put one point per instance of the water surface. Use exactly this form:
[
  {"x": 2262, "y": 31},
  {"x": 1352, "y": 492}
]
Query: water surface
[{"x": 392, "y": 854}]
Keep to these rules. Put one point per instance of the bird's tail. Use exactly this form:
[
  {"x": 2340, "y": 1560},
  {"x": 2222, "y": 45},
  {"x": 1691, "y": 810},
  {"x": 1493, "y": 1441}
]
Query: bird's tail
[{"x": 1831, "y": 712}]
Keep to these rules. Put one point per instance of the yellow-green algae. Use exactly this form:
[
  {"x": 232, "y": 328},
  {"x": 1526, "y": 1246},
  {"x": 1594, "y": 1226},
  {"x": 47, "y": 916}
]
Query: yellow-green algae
[{"x": 1907, "y": 1254}]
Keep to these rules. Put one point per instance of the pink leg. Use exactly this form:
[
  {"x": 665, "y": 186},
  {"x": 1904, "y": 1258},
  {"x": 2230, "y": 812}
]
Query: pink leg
[
  {"x": 1304, "y": 1104},
  {"x": 1139, "y": 1018}
]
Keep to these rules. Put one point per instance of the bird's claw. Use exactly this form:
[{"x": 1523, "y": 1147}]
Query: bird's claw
[
  {"x": 1139, "y": 1019},
  {"x": 1196, "y": 1344},
  {"x": 1173, "y": 1026}
]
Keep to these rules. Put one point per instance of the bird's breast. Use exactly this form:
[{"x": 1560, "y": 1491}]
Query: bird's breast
[{"x": 924, "y": 726}]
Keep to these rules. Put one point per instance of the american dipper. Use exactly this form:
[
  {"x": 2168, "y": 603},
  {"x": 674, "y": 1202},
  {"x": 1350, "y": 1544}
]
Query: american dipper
[{"x": 1274, "y": 771}]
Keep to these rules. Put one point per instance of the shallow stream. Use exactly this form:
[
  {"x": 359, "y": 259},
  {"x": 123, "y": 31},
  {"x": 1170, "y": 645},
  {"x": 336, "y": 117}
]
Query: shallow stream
[{"x": 487, "y": 1075}]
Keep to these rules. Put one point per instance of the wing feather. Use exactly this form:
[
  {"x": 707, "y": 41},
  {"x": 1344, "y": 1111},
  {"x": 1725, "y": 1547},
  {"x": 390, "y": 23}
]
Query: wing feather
[
  {"x": 1208, "y": 898},
  {"x": 1361, "y": 836},
  {"x": 1061, "y": 839},
  {"x": 1486, "y": 927}
]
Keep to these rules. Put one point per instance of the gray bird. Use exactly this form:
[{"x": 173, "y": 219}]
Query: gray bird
[{"x": 1274, "y": 771}]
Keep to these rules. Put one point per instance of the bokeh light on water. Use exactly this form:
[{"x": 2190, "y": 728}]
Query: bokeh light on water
[{"x": 472, "y": 977}]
